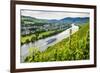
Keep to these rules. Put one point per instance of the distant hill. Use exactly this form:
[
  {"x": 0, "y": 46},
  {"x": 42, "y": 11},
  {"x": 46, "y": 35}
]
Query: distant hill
[
  {"x": 67, "y": 20},
  {"x": 33, "y": 20},
  {"x": 75, "y": 20}
]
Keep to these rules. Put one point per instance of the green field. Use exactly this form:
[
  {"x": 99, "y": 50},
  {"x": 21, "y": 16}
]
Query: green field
[
  {"x": 74, "y": 48},
  {"x": 37, "y": 36}
]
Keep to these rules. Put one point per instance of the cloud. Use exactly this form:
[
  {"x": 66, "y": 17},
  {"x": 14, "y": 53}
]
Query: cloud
[{"x": 52, "y": 14}]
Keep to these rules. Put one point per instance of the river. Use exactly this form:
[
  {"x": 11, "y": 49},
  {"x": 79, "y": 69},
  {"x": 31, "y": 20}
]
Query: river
[{"x": 43, "y": 44}]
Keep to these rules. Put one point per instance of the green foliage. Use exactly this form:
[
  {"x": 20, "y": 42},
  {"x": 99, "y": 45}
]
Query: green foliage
[
  {"x": 75, "y": 47},
  {"x": 38, "y": 35}
]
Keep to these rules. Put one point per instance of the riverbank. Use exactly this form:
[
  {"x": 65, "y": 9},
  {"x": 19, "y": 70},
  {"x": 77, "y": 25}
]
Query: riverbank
[{"x": 43, "y": 44}]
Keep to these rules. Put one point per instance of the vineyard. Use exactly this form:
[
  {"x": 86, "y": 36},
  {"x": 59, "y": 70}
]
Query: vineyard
[{"x": 75, "y": 47}]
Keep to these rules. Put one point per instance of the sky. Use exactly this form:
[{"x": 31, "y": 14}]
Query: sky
[{"x": 52, "y": 14}]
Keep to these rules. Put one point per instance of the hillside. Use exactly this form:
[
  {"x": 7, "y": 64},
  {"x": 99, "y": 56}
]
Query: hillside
[
  {"x": 76, "y": 48},
  {"x": 68, "y": 20}
]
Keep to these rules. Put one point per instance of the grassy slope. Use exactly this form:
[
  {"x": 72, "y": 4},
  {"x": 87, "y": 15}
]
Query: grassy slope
[{"x": 78, "y": 49}]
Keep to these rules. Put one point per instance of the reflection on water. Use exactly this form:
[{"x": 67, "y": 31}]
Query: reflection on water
[{"x": 51, "y": 40}]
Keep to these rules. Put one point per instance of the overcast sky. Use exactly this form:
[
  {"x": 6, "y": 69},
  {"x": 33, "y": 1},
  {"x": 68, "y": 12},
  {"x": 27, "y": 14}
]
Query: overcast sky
[{"x": 52, "y": 14}]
